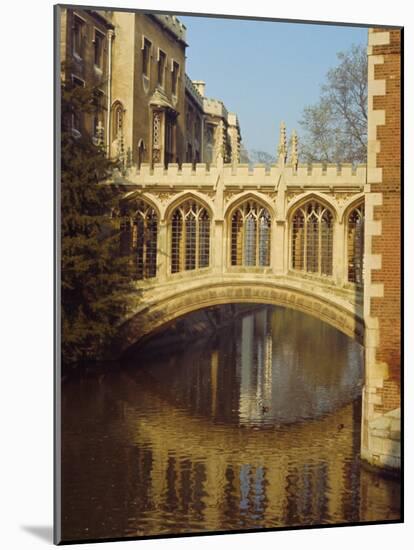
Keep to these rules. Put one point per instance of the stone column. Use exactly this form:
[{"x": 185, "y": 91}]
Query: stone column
[
  {"x": 278, "y": 246},
  {"x": 163, "y": 255},
  {"x": 219, "y": 238},
  {"x": 218, "y": 244},
  {"x": 338, "y": 254},
  {"x": 110, "y": 35}
]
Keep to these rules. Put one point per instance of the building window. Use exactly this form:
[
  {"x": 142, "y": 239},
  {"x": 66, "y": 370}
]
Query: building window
[
  {"x": 312, "y": 239},
  {"x": 98, "y": 49},
  {"x": 174, "y": 78},
  {"x": 78, "y": 36},
  {"x": 161, "y": 68},
  {"x": 138, "y": 238},
  {"x": 355, "y": 244},
  {"x": 250, "y": 235},
  {"x": 170, "y": 139},
  {"x": 190, "y": 237},
  {"x": 141, "y": 153},
  {"x": 117, "y": 121},
  {"x": 146, "y": 57}
]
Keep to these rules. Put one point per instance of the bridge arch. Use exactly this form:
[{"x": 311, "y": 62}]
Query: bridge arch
[{"x": 203, "y": 292}]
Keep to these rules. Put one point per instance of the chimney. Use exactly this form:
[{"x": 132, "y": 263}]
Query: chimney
[{"x": 201, "y": 86}]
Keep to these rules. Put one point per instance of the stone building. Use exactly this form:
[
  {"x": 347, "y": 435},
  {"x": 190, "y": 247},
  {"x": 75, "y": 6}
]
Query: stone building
[
  {"x": 85, "y": 55},
  {"x": 222, "y": 135},
  {"x": 194, "y": 112},
  {"x": 149, "y": 109},
  {"x": 212, "y": 132},
  {"x": 148, "y": 123}
]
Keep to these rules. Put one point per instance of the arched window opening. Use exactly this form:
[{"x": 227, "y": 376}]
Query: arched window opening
[
  {"x": 355, "y": 244},
  {"x": 117, "y": 121},
  {"x": 139, "y": 232},
  {"x": 141, "y": 153},
  {"x": 190, "y": 237},
  {"x": 250, "y": 235},
  {"x": 312, "y": 239}
]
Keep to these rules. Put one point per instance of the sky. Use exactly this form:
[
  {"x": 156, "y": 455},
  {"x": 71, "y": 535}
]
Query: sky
[{"x": 264, "y": 71}]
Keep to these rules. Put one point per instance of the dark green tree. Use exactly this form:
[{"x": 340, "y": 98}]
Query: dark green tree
[{"x": 96, "y": 281}]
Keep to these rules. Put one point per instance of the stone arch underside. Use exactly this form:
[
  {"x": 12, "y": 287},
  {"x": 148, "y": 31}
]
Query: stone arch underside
[{"x": 158, "y": 312}]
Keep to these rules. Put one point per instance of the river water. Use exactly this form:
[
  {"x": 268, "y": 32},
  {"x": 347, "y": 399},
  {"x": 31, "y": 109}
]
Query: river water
[{"x": 253, "y": 425}]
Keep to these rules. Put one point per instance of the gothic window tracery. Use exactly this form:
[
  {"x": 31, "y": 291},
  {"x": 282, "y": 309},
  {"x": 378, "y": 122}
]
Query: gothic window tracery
[
  {"x": 190, "y": 237},
  {"x": 355, "y": 244},
  {"x": 138, "y": 238},
  {"x": 250, "y": 235},
  {"x": 312, "y": 239}
]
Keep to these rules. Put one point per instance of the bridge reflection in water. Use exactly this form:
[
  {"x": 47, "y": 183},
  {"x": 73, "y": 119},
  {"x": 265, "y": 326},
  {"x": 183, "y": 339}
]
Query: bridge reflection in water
[{"x": 257, "y": 425}]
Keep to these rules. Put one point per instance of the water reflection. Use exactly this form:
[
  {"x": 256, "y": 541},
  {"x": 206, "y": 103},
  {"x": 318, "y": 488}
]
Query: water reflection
[{"x": 255, "y": 426}]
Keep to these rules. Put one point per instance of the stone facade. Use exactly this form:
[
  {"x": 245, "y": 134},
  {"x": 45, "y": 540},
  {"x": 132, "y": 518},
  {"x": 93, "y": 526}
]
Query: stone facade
[
  {"x": 84, "y": 49},
  {"x": 221, "y": 132},
  {"x": 382, "y": 291},
  {"x": 221, "y": 188},
  {"x": 194, "y": 113},
  {"x": 150, "y": 110},
  {"x": 148, "y": 86}
]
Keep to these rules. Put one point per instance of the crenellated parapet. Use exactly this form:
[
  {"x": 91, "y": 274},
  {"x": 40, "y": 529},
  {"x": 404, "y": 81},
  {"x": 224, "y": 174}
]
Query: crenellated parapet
[{"x": 242, "y": 175}]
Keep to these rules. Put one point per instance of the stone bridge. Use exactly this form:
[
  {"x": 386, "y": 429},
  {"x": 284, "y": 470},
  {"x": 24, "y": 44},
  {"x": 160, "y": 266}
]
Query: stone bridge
[
  {"x": 305, "y": 237},
  {"x": 201, "y": 236}
]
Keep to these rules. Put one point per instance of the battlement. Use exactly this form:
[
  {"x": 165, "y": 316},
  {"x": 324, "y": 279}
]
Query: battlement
[
  {"x": 215, "y": 107},
  {"x": 173, "y": 24},
  {"x": 192, "y": 90},
  {"x": 239, "y": 175}
]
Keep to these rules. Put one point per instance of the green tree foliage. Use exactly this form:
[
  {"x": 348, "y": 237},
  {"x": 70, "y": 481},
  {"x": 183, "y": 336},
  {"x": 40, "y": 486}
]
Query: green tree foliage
[
  {"x": 95, "y": 279},
  {"x": 335, "y": 128}
]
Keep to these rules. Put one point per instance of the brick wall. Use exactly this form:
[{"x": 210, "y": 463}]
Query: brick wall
[{"x": 387, "y": 308}]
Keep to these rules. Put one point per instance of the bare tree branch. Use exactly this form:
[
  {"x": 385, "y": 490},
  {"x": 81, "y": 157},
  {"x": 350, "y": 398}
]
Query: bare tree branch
[{"x": 335, "y": 129}]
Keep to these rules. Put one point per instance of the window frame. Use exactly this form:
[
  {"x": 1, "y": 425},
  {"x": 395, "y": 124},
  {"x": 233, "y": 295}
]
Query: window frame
[
  {"x": 360, "y": 208},
  {"x": 161, "y": 69},
  {"x": 83, "y": 26},
  {"x": 98, "y": 33},
  {"x": 248, "y": 210},
  {"x": 146, "y": 46},
  {"x": 320, "y": 259},
  {"x": 175, "y": 76},
  {"x": 201, "y": 239}
]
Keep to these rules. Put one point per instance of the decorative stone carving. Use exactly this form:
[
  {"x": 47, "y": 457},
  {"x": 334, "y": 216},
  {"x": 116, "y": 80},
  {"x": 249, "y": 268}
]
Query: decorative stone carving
[
  {"x": 156, "y": 137},
  {"x": 163, "y": 196},
  {"x": 282, "y": 147},
  {"x": 294, "y": 150}
]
